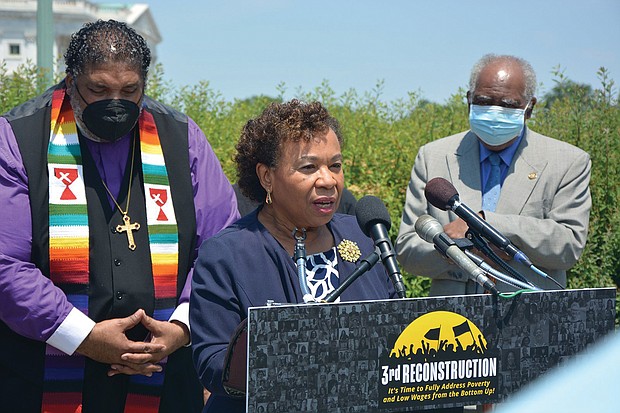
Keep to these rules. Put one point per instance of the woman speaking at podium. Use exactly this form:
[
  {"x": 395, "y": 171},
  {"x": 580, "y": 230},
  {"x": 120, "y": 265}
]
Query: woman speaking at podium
[{"x": 293, "y": 248}]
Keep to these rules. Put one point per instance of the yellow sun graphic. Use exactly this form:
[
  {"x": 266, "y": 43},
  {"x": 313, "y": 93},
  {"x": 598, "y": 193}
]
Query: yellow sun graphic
[{"x": 439, "y": 331}]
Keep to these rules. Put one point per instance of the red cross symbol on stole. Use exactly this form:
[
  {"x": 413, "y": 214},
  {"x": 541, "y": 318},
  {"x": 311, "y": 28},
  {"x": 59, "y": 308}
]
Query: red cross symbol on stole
[
  {"x": 67, "y": 176},
  {"x": 160, "y": 196}
]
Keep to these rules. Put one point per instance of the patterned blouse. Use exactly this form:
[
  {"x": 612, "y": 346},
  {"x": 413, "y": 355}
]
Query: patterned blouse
[{"x": 322, "y": 273}]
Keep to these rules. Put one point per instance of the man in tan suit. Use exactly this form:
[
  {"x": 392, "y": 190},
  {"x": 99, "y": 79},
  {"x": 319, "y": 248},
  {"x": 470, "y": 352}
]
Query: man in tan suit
[{"x": 540, "y": 198}]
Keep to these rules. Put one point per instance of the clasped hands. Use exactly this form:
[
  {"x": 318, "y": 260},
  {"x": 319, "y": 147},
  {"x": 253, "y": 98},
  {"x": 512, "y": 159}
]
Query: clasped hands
[
  {"x": 457, "y": 229},
  {"x": 107, "y": 343}
]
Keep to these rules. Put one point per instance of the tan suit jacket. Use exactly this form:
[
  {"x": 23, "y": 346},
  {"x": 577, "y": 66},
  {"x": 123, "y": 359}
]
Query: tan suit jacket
[{"x": 544, "y": 207}]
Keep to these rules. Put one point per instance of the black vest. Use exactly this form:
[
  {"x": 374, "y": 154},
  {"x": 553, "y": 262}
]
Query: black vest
[{"x": 120, "y": 279}]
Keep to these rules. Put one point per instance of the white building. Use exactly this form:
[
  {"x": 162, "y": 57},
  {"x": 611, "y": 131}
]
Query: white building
[{"x": 18, "y": 27}]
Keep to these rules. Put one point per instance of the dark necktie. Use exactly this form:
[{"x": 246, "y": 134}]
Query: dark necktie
[{"x": 491, "y": 191}]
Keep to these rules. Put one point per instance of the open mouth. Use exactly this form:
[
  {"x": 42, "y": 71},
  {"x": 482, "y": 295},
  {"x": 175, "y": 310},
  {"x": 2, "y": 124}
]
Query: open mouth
[{"x": 324, "y": 204}]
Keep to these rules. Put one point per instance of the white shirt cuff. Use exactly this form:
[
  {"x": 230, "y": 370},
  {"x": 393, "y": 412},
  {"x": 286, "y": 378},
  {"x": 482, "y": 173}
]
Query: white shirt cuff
[
  {"x": 72, "y": 331},
  {"x": 181, "y": 314}
]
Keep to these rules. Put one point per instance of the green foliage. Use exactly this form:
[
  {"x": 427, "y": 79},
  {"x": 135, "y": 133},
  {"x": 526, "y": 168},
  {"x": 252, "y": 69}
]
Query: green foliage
[
  {"x": 382, "y": 139},
  {"x": 19, "y": 86},
  {"x": 565, "y": 88},
  {"x": 591, "y": 121}
]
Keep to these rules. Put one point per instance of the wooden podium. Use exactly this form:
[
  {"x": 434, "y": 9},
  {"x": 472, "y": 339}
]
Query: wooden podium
[{"x": 415, "y": 354}]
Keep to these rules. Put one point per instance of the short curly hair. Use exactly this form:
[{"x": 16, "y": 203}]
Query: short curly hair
[
  {"x": 262, "y": 138},
  {"x": 105, "y": 41}
]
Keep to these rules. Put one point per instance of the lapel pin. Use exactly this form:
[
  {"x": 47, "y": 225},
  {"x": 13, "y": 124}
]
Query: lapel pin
[{"x": 532, "y": 175}]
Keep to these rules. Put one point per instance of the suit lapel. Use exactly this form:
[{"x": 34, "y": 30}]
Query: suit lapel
[
  {"x": 464, "y": 171},
  {"x": 524, "y": 173}
]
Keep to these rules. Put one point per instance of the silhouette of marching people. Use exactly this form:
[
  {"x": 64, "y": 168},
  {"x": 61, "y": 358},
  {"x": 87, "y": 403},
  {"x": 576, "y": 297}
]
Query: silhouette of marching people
[{"x": 444, "y": 348}]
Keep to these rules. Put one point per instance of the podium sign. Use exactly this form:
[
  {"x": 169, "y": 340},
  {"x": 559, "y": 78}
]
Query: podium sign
[{"x": 414, "y": 354}]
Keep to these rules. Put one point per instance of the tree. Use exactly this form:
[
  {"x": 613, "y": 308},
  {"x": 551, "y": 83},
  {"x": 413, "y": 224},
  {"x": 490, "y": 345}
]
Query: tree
[{"x": 565, "y": 88}]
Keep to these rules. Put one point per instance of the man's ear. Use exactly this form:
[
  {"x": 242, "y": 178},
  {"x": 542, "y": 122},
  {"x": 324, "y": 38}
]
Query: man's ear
[
  {"x": 530, "y": 108},
  {"x": 69, "y": 81}
]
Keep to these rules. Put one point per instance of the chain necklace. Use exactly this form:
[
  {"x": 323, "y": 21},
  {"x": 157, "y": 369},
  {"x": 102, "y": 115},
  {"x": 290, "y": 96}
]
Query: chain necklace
[{"x": 128, "y": 227}]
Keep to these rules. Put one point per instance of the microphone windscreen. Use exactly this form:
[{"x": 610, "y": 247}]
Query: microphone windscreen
[
  {"x": 369, "y": 211},
  {"x": 439, "y": 192}
]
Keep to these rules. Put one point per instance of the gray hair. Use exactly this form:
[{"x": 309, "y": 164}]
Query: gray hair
[{"x": 528, "y": 72}]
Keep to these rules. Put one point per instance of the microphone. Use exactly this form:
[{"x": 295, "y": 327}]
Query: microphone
[
  {"x": 300, "y": 260},
  {"x": 374, "y": 220},
  {"x": 367, "y": 263},
  {"x": 498, "y": 274},
  {"x": 442, "y": 194},
  {"x": 430, "y": 230}
]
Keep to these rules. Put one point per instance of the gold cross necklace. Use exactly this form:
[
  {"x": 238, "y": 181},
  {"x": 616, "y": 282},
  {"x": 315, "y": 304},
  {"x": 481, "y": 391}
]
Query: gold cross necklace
[{"x": 128, "y": 226}]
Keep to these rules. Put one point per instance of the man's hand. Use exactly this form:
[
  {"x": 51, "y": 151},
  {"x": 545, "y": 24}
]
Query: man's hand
[
  {"x": 107, "y": 341},
  {"x": 456, "y": 229},
  {"x": 171, "y": 335}
]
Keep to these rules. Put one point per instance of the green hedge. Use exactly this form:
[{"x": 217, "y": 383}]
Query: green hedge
[{"x": 382, "y": 139}]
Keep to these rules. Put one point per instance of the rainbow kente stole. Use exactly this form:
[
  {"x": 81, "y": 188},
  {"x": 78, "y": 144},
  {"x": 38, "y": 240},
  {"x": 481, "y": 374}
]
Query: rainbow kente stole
[{"x": 69, "y": 252}]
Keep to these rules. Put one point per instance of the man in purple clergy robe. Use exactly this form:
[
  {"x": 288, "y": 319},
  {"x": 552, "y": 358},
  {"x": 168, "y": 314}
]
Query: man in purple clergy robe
[{"x": 117, "y": 334}]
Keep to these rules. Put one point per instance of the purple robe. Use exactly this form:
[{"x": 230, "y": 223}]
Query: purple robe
[{"x": 30, "y": 304}]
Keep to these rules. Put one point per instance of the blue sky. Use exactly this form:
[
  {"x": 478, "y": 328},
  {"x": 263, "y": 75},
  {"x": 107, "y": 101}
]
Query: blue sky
[{"x": 248, "y": 47}]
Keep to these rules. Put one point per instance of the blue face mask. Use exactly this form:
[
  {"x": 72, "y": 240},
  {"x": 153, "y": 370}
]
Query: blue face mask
[{"x": 496, "y": 125}]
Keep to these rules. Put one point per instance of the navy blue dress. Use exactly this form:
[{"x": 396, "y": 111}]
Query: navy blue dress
[{"x": 244, "y": 266}]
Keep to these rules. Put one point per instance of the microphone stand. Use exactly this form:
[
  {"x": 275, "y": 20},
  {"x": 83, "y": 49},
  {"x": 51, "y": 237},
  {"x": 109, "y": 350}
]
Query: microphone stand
[
  {"x": 300, "y": 260},
  {"x": 482, "y": 245},
  {"x": 367, "y": 263}
]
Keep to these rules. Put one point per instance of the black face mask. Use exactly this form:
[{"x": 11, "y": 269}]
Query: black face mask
[{"x": 110, "y": 119}]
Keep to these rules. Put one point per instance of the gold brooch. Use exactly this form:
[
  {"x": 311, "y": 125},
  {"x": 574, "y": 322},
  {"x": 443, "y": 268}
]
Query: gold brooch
[{"x": 349, "y": 251}]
